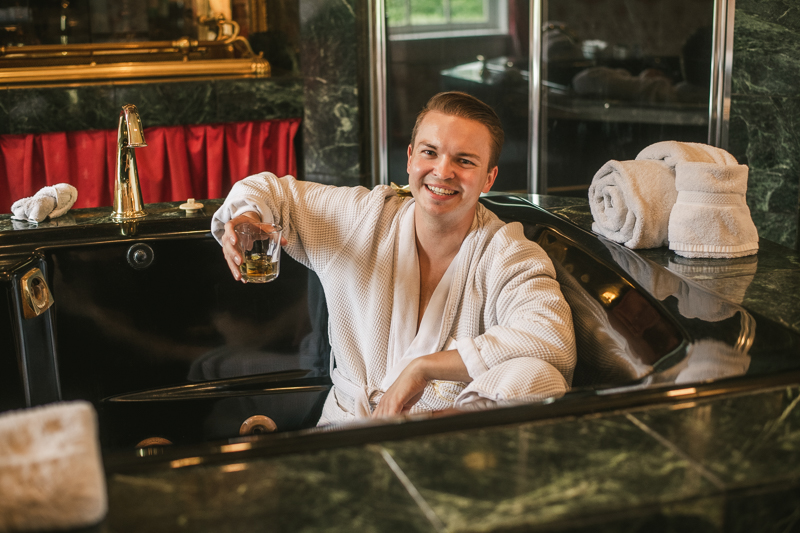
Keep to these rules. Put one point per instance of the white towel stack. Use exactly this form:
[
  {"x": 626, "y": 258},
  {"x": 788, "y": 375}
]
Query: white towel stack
[
  {"x": 701, "y": 188},
  {"x": 710, "y": 217},
  {"x": 51, "y": 201},
  {"x": 51, "y": 473}
]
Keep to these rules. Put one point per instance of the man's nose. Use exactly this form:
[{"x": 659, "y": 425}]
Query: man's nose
[{"x": 444, "y": 168}]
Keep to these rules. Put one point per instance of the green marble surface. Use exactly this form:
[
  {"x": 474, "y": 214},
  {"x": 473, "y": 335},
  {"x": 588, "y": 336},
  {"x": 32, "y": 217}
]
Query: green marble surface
[
  {"x": 352, "y": 489},
  {"x": 763, "y": 136},
  {"x": 91, "y": 107},
  {"x": 544, "y": 473},
  {"x": 332, "y": 134},
  {"x": 729, "y": 464},
  {"x": 765, "y": 106},
  {"x": 748, "y": 440}
]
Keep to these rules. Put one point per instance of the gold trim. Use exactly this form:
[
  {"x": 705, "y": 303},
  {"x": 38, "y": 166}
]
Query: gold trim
[
  {"x": 257, "y": 424},
  {"x": 36, "y": 295},
  {"x": 257, "y": 67}
]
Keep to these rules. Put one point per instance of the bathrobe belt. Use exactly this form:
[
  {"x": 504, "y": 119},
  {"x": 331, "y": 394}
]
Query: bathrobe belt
[{"x": 358, "y": 393}]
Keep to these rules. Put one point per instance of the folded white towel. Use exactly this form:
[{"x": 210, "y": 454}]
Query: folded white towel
[
  {"x": 710, "y": 217},
  {"x": 631, "y": 202},
  {"x": 51, "y": 473},
  {"x": 51, "y": 201},
  {"x": 674, "y": 152}
]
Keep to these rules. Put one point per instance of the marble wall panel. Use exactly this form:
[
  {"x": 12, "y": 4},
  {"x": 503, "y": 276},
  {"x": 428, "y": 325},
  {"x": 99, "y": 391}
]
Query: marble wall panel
[
  {"x": 765, "y": 123},
  {"x": 4, "y": 111},
  {"x": 60, "y": 109},
  {"x": 764, "y": 135},
  {"x": 241, "y": 100},
  {"x": 92, "y": 107},
  {"x": 170, "y": 104},
  {"x": 332, "y": 133}
]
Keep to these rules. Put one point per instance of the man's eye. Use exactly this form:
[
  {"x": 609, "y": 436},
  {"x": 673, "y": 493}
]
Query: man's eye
[
  {"x": 467, "y": 162},
  {"x": 429, "y": 152}
]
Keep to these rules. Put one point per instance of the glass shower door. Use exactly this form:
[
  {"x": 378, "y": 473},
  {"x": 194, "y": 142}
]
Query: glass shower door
[
  {"x": 476, "y": 46},
  {"x": 617, "y": 76}
]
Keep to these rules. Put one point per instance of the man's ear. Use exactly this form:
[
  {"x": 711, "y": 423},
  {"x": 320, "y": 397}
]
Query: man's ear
[
  {"x": 408, "y": 162},
  {"x": 490, "y": 180}
]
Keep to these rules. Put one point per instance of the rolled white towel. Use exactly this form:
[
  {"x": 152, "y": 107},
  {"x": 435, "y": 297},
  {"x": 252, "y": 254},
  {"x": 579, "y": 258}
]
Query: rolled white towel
[
  {"x": 51, "y": 473},
  {"x": 674, "y": 152},
  {"x": 710, "y": 217},
  {"x": 631, "y": 202},
  {"x": 51, "y": 201}
]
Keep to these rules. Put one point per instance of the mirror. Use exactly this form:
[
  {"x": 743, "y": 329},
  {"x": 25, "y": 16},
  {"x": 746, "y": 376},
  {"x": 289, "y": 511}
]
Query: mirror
[{"x": 87, "y": 40}]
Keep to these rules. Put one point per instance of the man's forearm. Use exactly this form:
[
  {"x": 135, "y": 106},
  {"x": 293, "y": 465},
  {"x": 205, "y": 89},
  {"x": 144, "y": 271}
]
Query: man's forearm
[{"x": 446, "y": 366}]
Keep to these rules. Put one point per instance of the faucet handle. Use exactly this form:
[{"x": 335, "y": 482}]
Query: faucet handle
[{"x": 134, "y": 125}]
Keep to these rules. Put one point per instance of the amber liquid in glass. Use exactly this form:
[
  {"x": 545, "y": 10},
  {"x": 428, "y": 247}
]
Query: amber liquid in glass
[{"x": 258, "y": 266}]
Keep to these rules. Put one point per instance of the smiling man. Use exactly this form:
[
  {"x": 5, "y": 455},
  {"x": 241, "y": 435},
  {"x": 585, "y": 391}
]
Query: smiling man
[{"x": 433, "y": 301}]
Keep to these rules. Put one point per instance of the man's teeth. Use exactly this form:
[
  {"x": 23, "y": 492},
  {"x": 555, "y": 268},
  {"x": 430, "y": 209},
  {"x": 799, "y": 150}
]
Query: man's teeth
[{"x": 437, "y": 190}]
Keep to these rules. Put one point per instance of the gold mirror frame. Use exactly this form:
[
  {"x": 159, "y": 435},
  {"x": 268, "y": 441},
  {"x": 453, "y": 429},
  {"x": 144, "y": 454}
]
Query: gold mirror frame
[{"x": 230, "y": 55}]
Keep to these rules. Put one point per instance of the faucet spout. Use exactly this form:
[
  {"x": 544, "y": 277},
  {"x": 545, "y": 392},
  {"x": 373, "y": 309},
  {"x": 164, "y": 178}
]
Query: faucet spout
[{"x": 127, "y": 192}]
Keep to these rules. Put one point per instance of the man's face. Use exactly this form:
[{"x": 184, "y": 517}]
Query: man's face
[{"x": 448, "y": 166}]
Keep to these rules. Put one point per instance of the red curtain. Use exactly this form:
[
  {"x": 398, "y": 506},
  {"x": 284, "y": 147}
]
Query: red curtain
[{"x": 179, "y": 162}]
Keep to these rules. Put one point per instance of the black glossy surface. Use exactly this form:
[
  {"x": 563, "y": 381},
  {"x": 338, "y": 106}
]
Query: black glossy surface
[
  {"x": 135, "y": 340},
  {"x": 36, "y": 350}
]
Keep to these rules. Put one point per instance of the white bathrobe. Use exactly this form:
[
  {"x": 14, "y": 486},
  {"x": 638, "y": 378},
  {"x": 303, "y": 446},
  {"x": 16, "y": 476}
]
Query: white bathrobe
[{"x": 499, "y": 304}]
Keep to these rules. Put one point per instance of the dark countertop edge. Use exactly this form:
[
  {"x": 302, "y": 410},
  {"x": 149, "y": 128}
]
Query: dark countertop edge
[
  {"x": 19, "y": 239},
  {"x": 571, "y": 406}
]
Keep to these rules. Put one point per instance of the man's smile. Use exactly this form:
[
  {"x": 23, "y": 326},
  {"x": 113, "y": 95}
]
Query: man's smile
[{"x": 440, "y": 191}]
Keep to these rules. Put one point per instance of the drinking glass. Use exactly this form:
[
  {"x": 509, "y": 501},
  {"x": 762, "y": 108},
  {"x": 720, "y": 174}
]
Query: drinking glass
[{"x": 260, "y": 246}]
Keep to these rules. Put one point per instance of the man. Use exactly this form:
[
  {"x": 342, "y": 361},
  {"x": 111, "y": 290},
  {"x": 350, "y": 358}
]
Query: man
[{"x": 433, "y": 302}]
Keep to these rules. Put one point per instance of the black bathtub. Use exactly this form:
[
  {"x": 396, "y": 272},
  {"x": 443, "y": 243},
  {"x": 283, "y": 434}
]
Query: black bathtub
[{"x": 148, "y": 325}]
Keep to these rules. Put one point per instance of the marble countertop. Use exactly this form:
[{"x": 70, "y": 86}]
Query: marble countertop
[{"x": 696, "y": 466}]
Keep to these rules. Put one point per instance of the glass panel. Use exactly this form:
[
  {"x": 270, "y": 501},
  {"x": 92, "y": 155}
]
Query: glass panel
[
  {"x": 468, "y": 11},
  {"x": 617, "y": 76},
  {"x": 396, "y": 12},
  {"x": 491, "y": 65},
  {"x": 427, "y": 12}
]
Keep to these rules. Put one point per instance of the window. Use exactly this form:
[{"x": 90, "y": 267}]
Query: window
[{"x": 427, "y": 19}]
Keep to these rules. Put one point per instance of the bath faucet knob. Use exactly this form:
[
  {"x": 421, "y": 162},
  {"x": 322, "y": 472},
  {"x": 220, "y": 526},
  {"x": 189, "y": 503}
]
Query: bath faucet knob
[{"x": 127, "y": 192}]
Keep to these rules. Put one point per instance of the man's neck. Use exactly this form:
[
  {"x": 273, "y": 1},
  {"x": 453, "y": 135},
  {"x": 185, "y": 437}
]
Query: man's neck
[{"x": 440, "y": 239}]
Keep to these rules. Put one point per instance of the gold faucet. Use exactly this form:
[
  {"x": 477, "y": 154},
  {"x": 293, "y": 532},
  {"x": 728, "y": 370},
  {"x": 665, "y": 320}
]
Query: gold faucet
[{"x": 127, "y": 193}]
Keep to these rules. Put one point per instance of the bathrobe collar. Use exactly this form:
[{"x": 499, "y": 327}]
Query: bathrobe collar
[{"x": 405, "y": 342}]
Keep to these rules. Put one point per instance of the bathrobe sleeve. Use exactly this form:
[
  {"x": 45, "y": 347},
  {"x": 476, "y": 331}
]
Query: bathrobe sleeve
[
  {"x": 317, "y": 219},
  {"x": 527, "y": 349}
]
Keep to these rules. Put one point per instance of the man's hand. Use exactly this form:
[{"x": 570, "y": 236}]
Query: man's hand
[
  {"x": 409, "y": 386},
  {"x": 404, "y": 392},
  {"x": 230, "y": 246}
]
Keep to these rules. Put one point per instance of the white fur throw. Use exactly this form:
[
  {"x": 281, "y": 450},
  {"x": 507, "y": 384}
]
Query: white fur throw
[{"x": 51, "y": 472}]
